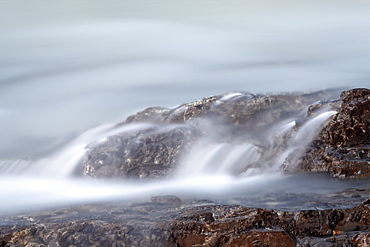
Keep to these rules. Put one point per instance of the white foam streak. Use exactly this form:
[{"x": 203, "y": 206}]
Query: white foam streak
[
  {"x": 304, "y": 136},
  {"x": 236, "y": 156},
  {"x": 64, "y": 162},
  {"x": 28, "y": 193},
  {"x": 222, "y": 158},
  {"x": 307, "y": 132},
  {"x": 246, "y": 159}
]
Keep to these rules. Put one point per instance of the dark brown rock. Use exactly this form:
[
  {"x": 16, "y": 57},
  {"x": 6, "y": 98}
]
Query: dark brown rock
[
  {"x": 272, "y": 238},
  {"x": 268, "y": 227},
  {"x": 351, "y": 126},
  {"x": 361, "y": 239},
  {"x": 183, "y": 224},
  {"x": 232, "y": 118},
  {"x": 149, "y": 153},
  {"x": 82, "y": 233},
  {"x": 342, "y": 147}
]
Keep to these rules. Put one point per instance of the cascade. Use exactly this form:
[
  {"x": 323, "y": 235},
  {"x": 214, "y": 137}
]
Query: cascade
[
  {"x": 305, "y": 134},
  {"x": 206, "y": 158},
  {"x": 219, "y": 171},
  {"x": 247, "y": 158}
]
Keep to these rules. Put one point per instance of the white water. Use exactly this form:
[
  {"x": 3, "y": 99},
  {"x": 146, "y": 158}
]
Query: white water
[
  {"x": 304, "y": 135},
  {"x": 67, "y": 67},
  {"x": 223, "y": 158},
  {"x": 210, "y": 169},
  {"x": 64, "y": 161}
]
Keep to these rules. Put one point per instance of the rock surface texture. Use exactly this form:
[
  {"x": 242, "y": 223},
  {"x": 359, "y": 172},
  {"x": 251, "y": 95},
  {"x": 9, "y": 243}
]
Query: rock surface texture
[
  {"x": 152, "y": 152},
  {"x": 169, "y": 221},
  {"x": 342, "y": 148}
]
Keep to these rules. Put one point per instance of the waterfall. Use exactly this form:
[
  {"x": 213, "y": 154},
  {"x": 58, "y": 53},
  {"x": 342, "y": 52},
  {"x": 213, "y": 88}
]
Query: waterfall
[
  {"x": 304, "y": 135},
  {"x": 222, "y": 158},
  {"x": 246, "y": 159}
]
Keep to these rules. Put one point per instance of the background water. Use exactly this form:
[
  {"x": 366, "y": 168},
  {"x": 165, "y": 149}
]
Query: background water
[{"x": 68, "y": 66}]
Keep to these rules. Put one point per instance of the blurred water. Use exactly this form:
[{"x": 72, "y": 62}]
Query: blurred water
[{"x": 66, "y": 67}]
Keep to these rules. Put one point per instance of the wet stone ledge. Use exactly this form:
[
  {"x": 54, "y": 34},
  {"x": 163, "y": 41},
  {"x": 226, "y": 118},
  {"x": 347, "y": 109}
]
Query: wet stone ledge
[{"x": 170, "y": 221}]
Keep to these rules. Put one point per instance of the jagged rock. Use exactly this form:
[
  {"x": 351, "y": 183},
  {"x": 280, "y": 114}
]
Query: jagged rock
[
  {"x": 185, "y": 224},
  {"x": 342, "y": 148},
  {"x": 351, "y": 126}
]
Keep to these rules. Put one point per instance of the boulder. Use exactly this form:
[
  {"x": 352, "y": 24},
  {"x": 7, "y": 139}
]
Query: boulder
[
  {"x": 149, "y": 153},
  {"x": 154, "y": 152},
  {"x": 342, "y": 148}
]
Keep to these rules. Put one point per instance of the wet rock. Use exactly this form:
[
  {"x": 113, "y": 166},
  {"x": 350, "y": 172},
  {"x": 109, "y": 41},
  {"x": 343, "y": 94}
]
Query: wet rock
[
  {"x": 351, "y": 126},
  {"x": 342, "y": 147},
  {"x": 90, "y": 225},
  {"x": 153, "y": 152},
  {"x": 361, "y": 239},
  {"x": 148, "y": 224},
  {"x": 82, "y": 233},
  {"x": 166, "y": 200},
  {"x": 239, "y": 109},
  {"x": 149, "y": 153},
  {"x": 261, "y": 227},
  {"x": 339, "y": 240}
]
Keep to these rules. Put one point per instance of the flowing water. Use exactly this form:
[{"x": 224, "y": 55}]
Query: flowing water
[{"x": 70, "y": 70}]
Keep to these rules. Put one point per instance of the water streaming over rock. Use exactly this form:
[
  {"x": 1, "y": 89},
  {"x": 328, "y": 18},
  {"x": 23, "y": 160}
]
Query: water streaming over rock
[
  {"x": 208, "y": 168},
  {"x": 304, "y": 136},
  {"x": 220, "y": 158},
  {"x": 64, "y": 161},
  {"x": 67, "y": 67}
]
